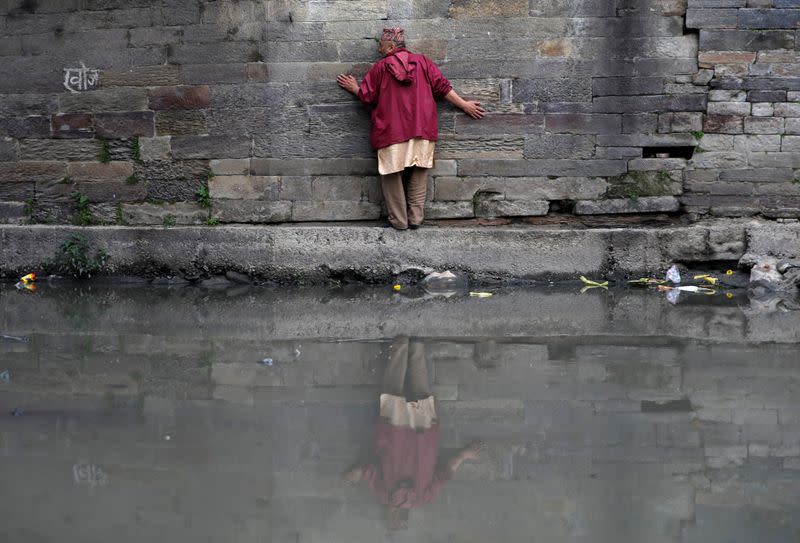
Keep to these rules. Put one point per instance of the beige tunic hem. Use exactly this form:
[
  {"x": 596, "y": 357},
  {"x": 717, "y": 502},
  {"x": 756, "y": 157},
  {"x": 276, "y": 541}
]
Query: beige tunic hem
[
  {"x": 414, "y": 152},
  {"x": 399, "y": 412}
]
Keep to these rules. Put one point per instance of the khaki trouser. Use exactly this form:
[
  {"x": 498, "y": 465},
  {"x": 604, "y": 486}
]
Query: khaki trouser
[
  {"x": 405, "y": 204},
  {"x": 407, "y": 372}
]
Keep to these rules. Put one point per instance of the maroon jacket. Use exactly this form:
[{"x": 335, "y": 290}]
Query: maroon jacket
[{"x": 402, "y": 88}]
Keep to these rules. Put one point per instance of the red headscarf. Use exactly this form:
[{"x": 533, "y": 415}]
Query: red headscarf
[{"x": 396, "y": 34}]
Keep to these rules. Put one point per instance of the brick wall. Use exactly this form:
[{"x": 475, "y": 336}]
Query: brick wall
[{"x": 594, "y": 107}]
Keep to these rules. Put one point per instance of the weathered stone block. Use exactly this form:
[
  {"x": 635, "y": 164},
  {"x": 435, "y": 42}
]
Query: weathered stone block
[
  {"x": 483, "y": 90},
  {"x": 124, "y": 125},
  {"x": 296, "y": 188},
  {"x": 724, "y": 95},
  {"x": 480, "y": 9},
  {"x": 80, "y": 149},
  {"x": 552, "y": 90},
  {"x": 480, "y": 147},
  {"x": 26, "y": 127},
  {"x": 100, "y": 190},
  {"x": 658, "y": 204},
  {"x": 180, "y": 123},
  {"x": 763, "y": 109},
  {"x": 761, "y": 175},
  {"x": 654, "y": 103},
  {"x": 500, "y": 124},
  {"x": 763, "y": 125},
  {"x": 337, "y": 10},
  {"x": 12, "y": 212},
  {"x": 99, "y": 171},
  {"x": 768, "y": 18},
  {"x": 156, "y": 148},
  {"x": 656, "y": 164},
  {"x": 519, "y": 188},
  {"x": 719, "y": 160},
  {"x": 142, "y": 76},
  {"x": 73, "y": 125},
  {"x": 251, "y": 211},
  {"x": 618, "y": 152},
  {"x": 222, "y": 53},
  {"x": 774, "y": 160},
  {"x": 179, "y": 97},
  {"x": 792, "y": 126},
  {"x": 789, "y": 144},
  {"x": 755, "y": 143},
  {"x": 723, "y": 124},
  {"x": 559, "y": 146},
  {"x": 524, "y": 168},
  {"x": 579, "y": 123},
  {"x": 639, "y": 123},
  {"x": 766, "y": 96},
  {"x": 449, "y": 210},
  {"x": 711, "y": 18},
  {"x": 117, "y": 99},
  {"x": 626, "y": 86},
  {"x": 230, "y": 166},
  {"x": 211, "y": 74},
  {"x": 172, "y": 180},
  {"x": 729, "y": 108},
  {"x": 787, "y": 109},
  {"x": 32, "y": 172},
  {"x": 210, "y": 147},
  {"x": 8, "y": 150},
  {"x": 314, "y": 166},
  {"x": 680, "y": 122},
  {"x": 491, "y": 208},
  {"x": 335, "y": 211},
  {"x": 443, "y": 167},
  {"x": 325, "y": 188},
  {"x": 244, "y": 187},
  {"x": 142, "y": 214},
  {"x": 745, "y": 40}
]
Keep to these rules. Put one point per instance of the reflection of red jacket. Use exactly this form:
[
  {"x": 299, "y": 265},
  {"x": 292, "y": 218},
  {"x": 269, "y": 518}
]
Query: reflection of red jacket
[
  {"x": 403, "y": 88},
  {"x": 407, "y": 474}
]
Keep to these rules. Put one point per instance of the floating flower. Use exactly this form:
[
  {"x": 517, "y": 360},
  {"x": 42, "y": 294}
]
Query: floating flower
[
  {"x": 729, "y": 272},
  {"x": 397, "y": 287}
]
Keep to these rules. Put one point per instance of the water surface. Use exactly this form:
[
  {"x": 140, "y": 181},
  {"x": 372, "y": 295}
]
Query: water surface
[{"x": 149, "y": 414}]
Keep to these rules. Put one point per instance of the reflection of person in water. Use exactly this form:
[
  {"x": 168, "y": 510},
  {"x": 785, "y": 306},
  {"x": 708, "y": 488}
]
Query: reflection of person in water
[{"x": 406, "y": 473}]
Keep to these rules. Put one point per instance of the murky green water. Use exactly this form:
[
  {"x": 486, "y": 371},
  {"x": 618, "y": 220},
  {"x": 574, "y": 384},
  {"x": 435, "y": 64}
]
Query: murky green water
[{"x": 149, "y": 414}]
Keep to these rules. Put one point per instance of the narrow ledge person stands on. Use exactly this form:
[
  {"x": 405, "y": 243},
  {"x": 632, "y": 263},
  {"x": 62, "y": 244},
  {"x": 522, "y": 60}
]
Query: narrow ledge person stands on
[{"x": 402, "y": 89}]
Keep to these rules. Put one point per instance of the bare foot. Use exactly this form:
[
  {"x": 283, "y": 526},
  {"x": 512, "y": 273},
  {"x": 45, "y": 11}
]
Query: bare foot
[
  {"x": 353, "y": 476},
  {"x": 473, "y": 450}
]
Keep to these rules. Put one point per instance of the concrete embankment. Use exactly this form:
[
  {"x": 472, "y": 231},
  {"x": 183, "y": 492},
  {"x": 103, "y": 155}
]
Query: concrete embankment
[{"x": 317, "y": 253}]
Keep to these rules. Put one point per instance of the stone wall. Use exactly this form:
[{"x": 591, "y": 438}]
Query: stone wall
[{"x": 227, "y": 111}]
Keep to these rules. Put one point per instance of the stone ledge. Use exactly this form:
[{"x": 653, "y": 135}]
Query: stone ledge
[{"x": 315, "y": 253}]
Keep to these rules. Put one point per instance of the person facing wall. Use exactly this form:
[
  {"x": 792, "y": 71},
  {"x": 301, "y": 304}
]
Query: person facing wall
[{"x": 402, "y": 89}]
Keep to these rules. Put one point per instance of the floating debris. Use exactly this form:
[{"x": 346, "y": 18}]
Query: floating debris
[
  {"x": 268, "y": 362},
  {"x": 5, "y": 376},
  {"x": 592, "y": 283},
  {"x": 647, "y": 281},
  {"x": 14, "y": 338},
  {"x": 688, "y": 288},
  {"x": 673, "y": 275},
  {"x": 481, "y": 294},
  {"x": 397, "y": 287},
  {"x": 711, "y": 280},
  {"x": 17, "y": 412}
]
